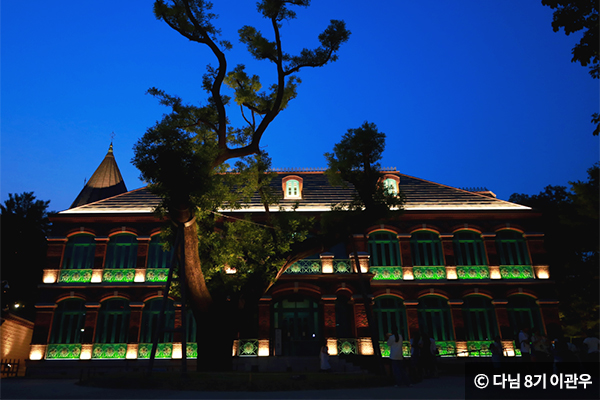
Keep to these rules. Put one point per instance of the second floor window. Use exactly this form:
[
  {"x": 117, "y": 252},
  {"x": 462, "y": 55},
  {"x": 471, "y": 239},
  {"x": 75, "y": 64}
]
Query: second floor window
[
  {"x": 68, "y": 322},
  {"x": 384, "y": 251},
  {"x": 512, "y": 248},
  {"x": 122, "y": 252},
  {"x": 426, "y": 249},
  {"x": 79, "y": 252},
  {"x": 468, "y": 249},
  {"x": 158, "y": 257}
]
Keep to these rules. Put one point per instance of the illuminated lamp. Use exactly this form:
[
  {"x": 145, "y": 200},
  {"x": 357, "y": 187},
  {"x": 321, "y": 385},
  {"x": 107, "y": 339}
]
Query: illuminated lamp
[
  {"x": 332, "y": 346},
  {"x": 37, "y": 351},
  {"x": 327, "y": 263},
  {"x": 132, "y": 351},
  {"x": 451, "y": 273},
  {"x": 508, "y": 346},
  {"x": 229, "y": 270},
  {"x": 50, "y": 276},
  {"x": 97, "y": 275},
  {"x": 365, "y": 346},
  {"x": 234, "y": 349},
  {"x": 86, "y": 352},
  {"x": 177, "y": 351},
  {"x": 542, "y": 271},
  {"x": 140, "y": 275},
  {"x": 263, "y": 347},
  {"x": 408, "y": 274},
  {"x": 495, "y": 272},
  {"x": 461, "y": 349}
]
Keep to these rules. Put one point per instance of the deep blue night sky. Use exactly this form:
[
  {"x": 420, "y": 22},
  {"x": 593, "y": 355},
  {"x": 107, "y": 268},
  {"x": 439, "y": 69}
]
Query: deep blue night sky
[{"x": 469, "y": 93}]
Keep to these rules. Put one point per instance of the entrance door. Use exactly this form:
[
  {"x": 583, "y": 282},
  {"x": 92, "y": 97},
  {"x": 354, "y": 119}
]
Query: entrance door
[{"x": 298, "y": 319}]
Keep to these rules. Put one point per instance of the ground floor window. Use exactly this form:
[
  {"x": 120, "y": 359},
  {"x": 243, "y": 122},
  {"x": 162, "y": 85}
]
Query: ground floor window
[
  {"x": 435, "y": 318},
  {"x": 113, "y": 321},
  {"x": 68, "y": 322},
  {"x": 523, "y": 312},
  {"x": 150, "y": 316},
  {"x": 390, "y": 313},
  {"x": 479, "y": 318}
]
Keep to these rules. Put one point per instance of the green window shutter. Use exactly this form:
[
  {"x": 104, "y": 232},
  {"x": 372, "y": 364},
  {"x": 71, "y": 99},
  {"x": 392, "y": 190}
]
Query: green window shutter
[
  {"x": 113, "y": 321},
  {"x": 121, "y": 252},
  {"x": 469, "y": 249},
  {"x": 158, "y": 257},
  {"x": 512, "y": 248},
  {"x": 480, "y": 318},
  {"x": 390, "y": 312},
  {"x": 79, "y": 252},
  {"x": 435, "y": 318},
  {"x": 150, "y": 316},
  {"x": 426, "y": 249},
  {"x": 384, "y": 250},
  {"x": 69, "y": 319}
]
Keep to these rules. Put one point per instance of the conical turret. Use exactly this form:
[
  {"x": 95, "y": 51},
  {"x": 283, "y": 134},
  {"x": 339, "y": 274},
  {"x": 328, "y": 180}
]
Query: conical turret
[{"x": 105, "y": 182}]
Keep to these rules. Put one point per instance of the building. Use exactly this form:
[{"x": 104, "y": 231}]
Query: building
[{"x": 462, "y": 265}]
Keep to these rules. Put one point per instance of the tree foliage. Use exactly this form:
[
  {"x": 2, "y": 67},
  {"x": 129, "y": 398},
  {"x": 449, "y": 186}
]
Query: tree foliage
[
  {"x": 355, "y": 159},
  {"x": 185, "y": 155},
  {"x": 570, "y": 222},
  {"x": 575, "y": 16},
  {"x": 25, "y": 224}
]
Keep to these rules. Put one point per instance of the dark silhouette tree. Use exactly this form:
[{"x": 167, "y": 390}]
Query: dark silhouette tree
[
  {"x": 574, "y": 16},
  {"x": 570, "y": 222},
  {"x": 183, "y": 157},
  {"x": 355, "y": 160},
  {"x": 25, "y": 224}
]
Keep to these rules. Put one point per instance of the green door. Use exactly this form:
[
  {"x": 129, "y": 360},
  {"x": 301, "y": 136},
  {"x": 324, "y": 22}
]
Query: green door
[{"x": 298, "y": 321}]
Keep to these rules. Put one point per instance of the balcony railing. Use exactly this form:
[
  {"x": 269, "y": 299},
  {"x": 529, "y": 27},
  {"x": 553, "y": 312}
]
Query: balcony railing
[
  {"x": 386, "y": 273},
  {"x": 516, "y": 271},
  {"x": 436, "y": 272},
  {"x": 473, "y": 272}
]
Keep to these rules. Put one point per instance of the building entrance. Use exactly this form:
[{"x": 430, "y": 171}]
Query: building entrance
[{"x": 297, "y": 320}]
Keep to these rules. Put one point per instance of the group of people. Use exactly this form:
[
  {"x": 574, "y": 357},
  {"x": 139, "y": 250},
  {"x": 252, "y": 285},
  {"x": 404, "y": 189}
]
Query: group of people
[
  {"x": 423, "y": 358},
  {"x": 536, "y": 347}
]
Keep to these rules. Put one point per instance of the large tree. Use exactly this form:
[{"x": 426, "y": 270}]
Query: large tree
[
  {"x": 575, "y": 16},
  {"x": 570, "y": 222},
  {"x": 184, "y": 156},
  {"x": 355, "y": 160},
  {"x": 25, "y": 224}
]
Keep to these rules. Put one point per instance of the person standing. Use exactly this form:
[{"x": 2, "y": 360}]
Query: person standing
[
  {"x": 525, "y": 344},
  {"x": 592, "y": 345},
  {"x": 394, "y": 341},
  {"x": 324, "y": 357}
]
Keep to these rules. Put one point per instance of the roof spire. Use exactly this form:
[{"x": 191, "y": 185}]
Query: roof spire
[{"x": 105, "y": 182}]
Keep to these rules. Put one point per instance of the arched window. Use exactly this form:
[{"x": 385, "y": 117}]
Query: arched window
[
  {"x": 479, "y": 318},
  {"x": 344, "y": 316},
  {"x": 391, "y": 186},
  {"x": 468, "y": 249},
  {"x": 426, "y": 249},
  {"x": 384, "y": 250},
  {"x": 158, "y": 257},
  {"x": 150, "y": 316},
  {"x": 512, "y": 248},
  {"x": 523, "y": 312},
  {"x": 68, "y": 322},
  {"x": 390, "y": 313},
  {"x": 435, "y": 318},
  {"x": 292, "y": 189},
  {"x": 113, "y": 321},
  {"x": 79, "y": 252},
  {"x": 121, "y": 251}
]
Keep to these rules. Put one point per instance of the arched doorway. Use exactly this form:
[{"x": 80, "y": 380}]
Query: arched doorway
[{"x": 297, "y": 327}]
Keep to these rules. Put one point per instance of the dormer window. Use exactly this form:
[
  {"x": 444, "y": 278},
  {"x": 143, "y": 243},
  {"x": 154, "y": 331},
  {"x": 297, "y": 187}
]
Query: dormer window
[
  {"x": 292, "y": 187},
  {"x": 390, "y": 183}
]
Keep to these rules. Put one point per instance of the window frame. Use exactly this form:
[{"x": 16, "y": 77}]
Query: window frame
[{"x": 425, "y": 251}]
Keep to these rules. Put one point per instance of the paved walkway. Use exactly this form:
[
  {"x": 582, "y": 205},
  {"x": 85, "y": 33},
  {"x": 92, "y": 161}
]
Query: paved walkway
[{"x": 24, "y": 388}]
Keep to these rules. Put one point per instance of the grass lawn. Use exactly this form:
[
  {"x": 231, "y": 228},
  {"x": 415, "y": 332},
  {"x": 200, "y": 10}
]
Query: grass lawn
[{"x": 238, "y": 381}]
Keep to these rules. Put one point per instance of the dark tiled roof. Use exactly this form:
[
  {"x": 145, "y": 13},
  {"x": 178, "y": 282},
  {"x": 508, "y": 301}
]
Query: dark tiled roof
[
  {"x": 106, "y": 182},
  {"x": 319, "y": 195}
]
